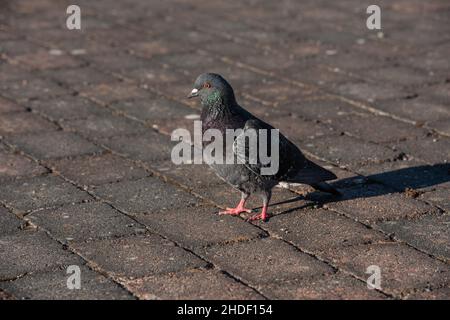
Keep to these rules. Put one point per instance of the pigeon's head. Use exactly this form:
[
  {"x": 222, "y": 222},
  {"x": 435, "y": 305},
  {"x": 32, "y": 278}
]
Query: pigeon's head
[{"x": 212, "y": 88}]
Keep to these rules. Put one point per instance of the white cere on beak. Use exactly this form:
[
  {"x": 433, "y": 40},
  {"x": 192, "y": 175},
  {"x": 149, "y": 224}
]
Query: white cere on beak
[{"x": 194, "y": 91}]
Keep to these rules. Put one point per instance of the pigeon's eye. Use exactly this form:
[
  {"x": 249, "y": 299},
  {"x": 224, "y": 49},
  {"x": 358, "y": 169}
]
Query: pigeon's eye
[{"x": 207, "y": 85}]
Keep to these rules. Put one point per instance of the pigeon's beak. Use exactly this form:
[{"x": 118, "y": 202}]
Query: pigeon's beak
[{"x": 194, "y": 93}]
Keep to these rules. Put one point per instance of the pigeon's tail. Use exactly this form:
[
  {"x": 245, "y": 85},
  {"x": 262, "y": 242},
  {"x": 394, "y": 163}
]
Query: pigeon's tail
[{"x": 312, "y": 174}]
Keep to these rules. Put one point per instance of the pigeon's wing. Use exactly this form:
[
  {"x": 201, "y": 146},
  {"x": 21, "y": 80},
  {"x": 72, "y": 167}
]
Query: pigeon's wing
[{"x": 252, "y": 141}]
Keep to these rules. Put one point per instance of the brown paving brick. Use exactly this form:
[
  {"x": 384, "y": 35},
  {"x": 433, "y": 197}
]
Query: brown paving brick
[
  {"x": 265, "y": 260},
  {"x": 84, "y": 222},
  {"x": 138, "y": 256},
  {"x": 24, "y": 122},
  {"x": 107, "y": 93},
  {"x": 433, "y": 150},
  {"x": 28, "y": 251},
  {"x": 150, "y": 109},
  {"x": 80, "y": 78},
  {"x": 31, "y": 88},
  {"x": 66, "y": 107},
  {"x": 332, "y": 287},
  {"x": 318, "y": 230},
  {"x": 145, "y": 195},
  {"x": 149, "y": 146},
  {"x": 429, "y": 233},
  {"x": 13, "y": 165},
  {"x": 42, "y": 60},
  {"x": 402, "y": 268},
  {"x": 53, "y": 286},
  {"x": 336, "y": 149},
  {"x": 55, "y": 144},
  {"x": 97, "y": 170},
  {"x": 439, "y": 197},
  {"x": 193, "y": 284},
  {"x": 373, "y": 202},
  {"x": 40, "y": 192},
  {"x": 104, "y": 126},
  {"x": 435, "y": 294},
  {"x": 9, "y": 223},
  {"x": 9, "y": 106},
  {"x": 200, "y": 226}
]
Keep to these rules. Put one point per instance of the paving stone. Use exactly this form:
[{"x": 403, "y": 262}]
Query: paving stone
[
  {"x": 370, "y": 92},
  {"x": 110, "y": 92},
  {"x": 439, "y": 197},
  {"x": 31, "y": 88},
  {"x": 435, "y": 294},
  {"x": 333, "y": 287},
  {"x": 147, "y": 195},
  {"x": 442, "y": 126},
  {"x": 429, "y": 233},
  {"x": 104, "y": 126},
  {"x": 9, "y": 223},
  {"x": 408, "y": 174},
  {"x": 67, "y": 108},
  {"x": 318, "y": 230},
  {"x": 40, "y": 192},
  {"x": 55, "y": 144},
  {"x": 150, "y": 109},
  {"x": 138, "y": 256},
  {"x": 81, "y": 78},
  {"x": 53, "y": 286},
  {"x": 191, "y": 285},
  {"x": 97, "y": 170},
  {"x": 413, "y": 109},
  {"x": 149, "y": 146},
  {"x": 200, "y": 226},
  {"x": 335, "y": 149},
  {"x": 400, "y": 75},
  {"x": 374, "y": 202},
  {"x": 24, "y": 122},
  {"x": 265, "y": 260},
  {"x": 84, "y": 222},
  {"x": 30, "y": 251},
  {"x": 14, "y": 166},
  {"x": 9, "y": 106},
  {"x": 398, "y": 273},
  {"x": 43, "y": 59}
]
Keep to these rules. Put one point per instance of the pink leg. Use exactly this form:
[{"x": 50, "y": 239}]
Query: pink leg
[
  {"x": 235, "y": 211},
  {"x": 262, "y": 216}
]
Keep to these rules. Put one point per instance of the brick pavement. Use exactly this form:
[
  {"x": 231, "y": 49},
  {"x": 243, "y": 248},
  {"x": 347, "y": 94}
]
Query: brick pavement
[{"x": 85, "y": 171}]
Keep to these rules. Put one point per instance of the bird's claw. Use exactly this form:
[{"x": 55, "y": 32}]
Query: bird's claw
[
  {"x": 234, "y": 211},
  {"x": 263, "y": 217}
]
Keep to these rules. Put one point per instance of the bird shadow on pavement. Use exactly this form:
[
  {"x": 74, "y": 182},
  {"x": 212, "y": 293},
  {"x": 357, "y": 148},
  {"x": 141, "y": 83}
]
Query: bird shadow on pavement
[{"x": 412, "y": 180}]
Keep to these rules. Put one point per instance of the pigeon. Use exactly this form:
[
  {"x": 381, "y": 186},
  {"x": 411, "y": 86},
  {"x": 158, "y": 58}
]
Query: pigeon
[{"x": 221, "y": 111}]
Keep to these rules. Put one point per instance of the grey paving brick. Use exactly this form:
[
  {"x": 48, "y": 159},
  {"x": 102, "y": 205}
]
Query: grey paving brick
[
  {"x": 373, "y": 202},
  {"x": 13, "y": 165},
  {"x": 56, "y": 144},
  {"x": 138, "y": 256},
  {"x": 97, "y": 170},
  {"x": 429, "y": 233},
  {"x": 191, "y": 285},
  {"x": 200, "y": 226},
  {"x": 332, "y": 287},
  {"x": 265, "y": 260},
  {"x": 318, "y": 230},
  {"x": 43, "y": 60},
  {"x": 439, "y": 197},
  {"x": 30, "y": 251},
  {"x": 110, "y": 92},
  {"x": 147, "y": 195},
  {"x": 53, "y": 286},
  {"x": 104, "y": 126},
  {"x": 9, "y": 223},
  {"x": 40, "y": 192},
  {"x": 434, "y": 150},
  {"x": 32, "y": 88},
  {"x": 9, "y": 106},
  {"x": 84, "y": 222},
  {"x": 398, "y": 273},
  {"x": 24, "y": 122}
]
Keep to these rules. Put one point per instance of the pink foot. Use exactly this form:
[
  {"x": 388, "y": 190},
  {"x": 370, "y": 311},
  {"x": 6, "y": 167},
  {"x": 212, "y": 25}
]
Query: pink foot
[
  {"x": 235, "y": 211},
  {"x": 262, "y": 216}
]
